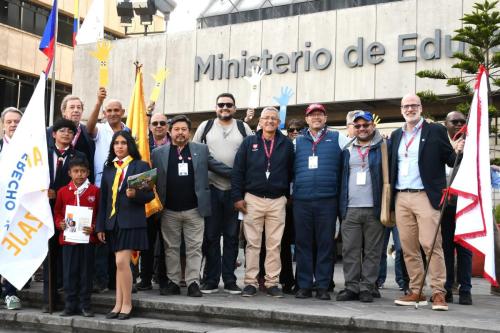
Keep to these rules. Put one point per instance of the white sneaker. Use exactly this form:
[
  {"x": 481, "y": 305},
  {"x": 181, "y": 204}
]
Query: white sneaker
[{"x": 13, "y": 302}]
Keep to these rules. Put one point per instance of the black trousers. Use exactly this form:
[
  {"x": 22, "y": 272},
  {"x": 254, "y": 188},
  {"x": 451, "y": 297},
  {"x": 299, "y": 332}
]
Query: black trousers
[
  {"x": 148, "y": 257},
  {"x": 78, "y": 274}
]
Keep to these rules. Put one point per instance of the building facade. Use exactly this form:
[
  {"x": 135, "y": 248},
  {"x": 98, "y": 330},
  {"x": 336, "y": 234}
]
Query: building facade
[{"x": 361, "y": 57}]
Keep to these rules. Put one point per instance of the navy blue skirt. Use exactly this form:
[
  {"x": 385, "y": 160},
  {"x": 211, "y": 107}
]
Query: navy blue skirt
[{"x": 128, "y": 239}]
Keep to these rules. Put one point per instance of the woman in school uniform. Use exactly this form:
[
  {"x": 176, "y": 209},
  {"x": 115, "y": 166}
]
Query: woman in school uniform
[{"x": 122, "y": 221}]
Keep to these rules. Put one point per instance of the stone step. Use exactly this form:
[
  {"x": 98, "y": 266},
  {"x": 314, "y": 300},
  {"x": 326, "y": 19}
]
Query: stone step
[{"x": 33, "y": 320}]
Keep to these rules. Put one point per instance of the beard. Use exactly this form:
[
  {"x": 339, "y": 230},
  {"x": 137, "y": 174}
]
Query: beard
[{"x": 224, "y": 116}]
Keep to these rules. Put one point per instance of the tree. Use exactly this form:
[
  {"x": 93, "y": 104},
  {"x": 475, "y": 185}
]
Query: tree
[{"x": 481, "y": 34}]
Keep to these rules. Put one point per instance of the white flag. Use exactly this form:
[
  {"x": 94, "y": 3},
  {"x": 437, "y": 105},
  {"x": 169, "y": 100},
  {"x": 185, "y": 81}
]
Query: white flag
[
  {"x": 472, "y": 184},
  {"x": 25, "y": 215},
  {"x": 92, "y": 28}
]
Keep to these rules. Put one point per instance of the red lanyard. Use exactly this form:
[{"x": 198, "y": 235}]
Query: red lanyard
[
  {"x": 77, "y": 135},
  {"x": 268, "y": 152},
  {"x": 363, "y": 156},
  {"x": 408, "y": 144},
  {"x": 316, "y": 142}
]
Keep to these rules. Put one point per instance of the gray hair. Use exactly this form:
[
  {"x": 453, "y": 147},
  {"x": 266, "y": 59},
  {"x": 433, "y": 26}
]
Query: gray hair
[
  {"x": 68, "y": 98},
  {"x": 349, "y": 119},
  {"x": 11, "y": 109},
  {"x": 269, "y": 108}
]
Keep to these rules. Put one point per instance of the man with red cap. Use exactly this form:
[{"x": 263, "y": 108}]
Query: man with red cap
[{"x": 318, "y": 166}]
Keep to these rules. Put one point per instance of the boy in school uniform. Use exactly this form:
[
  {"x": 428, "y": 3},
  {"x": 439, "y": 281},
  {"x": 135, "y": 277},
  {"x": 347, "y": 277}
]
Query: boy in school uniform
[{"x": 78, "y": 259}]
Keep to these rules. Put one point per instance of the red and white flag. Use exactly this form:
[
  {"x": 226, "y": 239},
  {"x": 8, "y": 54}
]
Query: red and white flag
[{"x": 472, "y": 184}]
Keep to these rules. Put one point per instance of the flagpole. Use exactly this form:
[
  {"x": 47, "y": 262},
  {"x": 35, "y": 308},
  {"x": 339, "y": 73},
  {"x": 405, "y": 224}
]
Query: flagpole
[
  {"x": 53, "y": 70},
  {"x": 453, "y": 173}
]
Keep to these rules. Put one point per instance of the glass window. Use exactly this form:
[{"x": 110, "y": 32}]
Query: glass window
[
  {"x": 14, "y": 13},
  {"x": 28, "y": 17},
  {"x": 41, "y": 17}
]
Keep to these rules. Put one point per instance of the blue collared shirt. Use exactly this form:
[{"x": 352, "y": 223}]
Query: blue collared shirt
[{"x": 412, "y": 180}]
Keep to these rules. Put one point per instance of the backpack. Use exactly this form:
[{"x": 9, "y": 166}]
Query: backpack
[{"x": 210, "y": 123}]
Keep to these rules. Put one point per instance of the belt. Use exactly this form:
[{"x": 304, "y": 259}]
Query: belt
[{"x": 410, "y": 190}]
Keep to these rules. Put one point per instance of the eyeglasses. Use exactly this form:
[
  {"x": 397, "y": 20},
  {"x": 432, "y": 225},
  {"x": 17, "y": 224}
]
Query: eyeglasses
[
  {"x": 410, "y": 106},
  {"x": 227, "y": 105},
  {"x": 457, "y": 121},
  {"x": 294, "y": 129},
  {"x": 358, "y": 126},
  {"x": 269, "y": 118},
  {"x": 161, "y": 123}
]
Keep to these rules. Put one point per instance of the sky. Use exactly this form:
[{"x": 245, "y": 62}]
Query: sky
[{"x": 184, "y": 16}]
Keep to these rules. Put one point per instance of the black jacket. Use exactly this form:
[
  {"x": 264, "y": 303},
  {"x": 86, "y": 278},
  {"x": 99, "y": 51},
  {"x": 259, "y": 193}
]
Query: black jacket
[
  {"x": 433, "y": 153},
  {"x": 250, "y": 164},
  {"x": 130, "y": 212}
]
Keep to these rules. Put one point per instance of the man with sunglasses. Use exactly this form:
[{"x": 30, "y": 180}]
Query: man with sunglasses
[
  {"x": 223, "y": 136},
  {"x": 318, "y": 161},
  {"x": 419, "y": 153},
  {"x": 158, "y": 136},
  {"x": 454, "y": 122},
  {"x": 359, "y": 205}
]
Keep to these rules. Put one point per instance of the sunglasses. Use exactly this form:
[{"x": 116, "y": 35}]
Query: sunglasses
[
  {"x": 457, "y": 121},
  {"x": 294, "y": 129},
  {"x": 227, "y": 105},
  {"x": 358, "y": 126},
  {"x": 161, "y": 123}
]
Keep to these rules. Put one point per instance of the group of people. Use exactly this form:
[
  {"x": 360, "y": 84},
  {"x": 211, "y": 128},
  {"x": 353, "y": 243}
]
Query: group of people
[{"x": 285, "y": 189}]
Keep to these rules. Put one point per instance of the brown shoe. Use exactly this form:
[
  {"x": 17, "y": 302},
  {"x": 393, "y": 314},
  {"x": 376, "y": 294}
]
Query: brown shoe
[
  {"x": 438, "y": 302},
  {"x": 411, "y": 299}
]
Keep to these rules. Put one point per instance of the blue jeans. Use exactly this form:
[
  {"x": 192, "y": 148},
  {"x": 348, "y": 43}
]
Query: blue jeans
[
  {"x": 314, "y": 224},
  {"x": 382, "y": 275},
  {"x": 223, "y": 221},
  {"x": 464, "y": 256}
]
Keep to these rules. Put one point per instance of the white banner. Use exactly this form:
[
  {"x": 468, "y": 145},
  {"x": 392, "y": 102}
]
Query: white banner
[
  {"x": 25, "y": 214},
  {"x": 472, "y": 184},
  {"x": 92, "y": 28}
]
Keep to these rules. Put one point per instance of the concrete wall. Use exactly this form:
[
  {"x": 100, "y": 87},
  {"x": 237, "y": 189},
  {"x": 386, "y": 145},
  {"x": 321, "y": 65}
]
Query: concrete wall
[{"x": 333, "y": 30}]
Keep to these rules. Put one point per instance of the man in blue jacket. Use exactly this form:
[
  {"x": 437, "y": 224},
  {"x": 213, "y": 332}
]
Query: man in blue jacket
[
  {"x": 317, "y": 167},
  {"x": 360, "y": 201},
  {"x": 260, "y": 184}
]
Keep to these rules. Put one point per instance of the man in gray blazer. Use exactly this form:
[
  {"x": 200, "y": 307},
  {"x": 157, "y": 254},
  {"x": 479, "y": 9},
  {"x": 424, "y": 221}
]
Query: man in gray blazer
[{"x": 183, "y": 189}]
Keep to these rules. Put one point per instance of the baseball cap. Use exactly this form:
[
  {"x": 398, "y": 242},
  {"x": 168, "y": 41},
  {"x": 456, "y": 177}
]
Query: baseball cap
[
  {"x": 315, "y": 107},
  {"x": 364, "y": 115}
]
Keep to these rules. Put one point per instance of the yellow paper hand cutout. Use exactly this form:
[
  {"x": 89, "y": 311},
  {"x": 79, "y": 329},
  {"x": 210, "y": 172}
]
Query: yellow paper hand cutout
[
  {"x": 376, "y": 119},
  {"x": 160, "y": 76},
  {"x": 102, "y": 54}
]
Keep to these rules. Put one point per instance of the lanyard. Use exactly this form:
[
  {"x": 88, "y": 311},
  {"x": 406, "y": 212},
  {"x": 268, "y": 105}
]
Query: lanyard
[
  {"x": 363, "y": 156},
  {"x": 77, "y": 135},
  {"x": 179, "y": 154},
  {"x": 408, "y": 144},
  {"x": 316, "y": 142},
  {"x": 268, "y": 152}
]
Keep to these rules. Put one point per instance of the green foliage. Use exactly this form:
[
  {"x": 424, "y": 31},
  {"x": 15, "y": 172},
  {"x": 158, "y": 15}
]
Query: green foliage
[
  {"x": 480, "y": 32},
  {"x": 427, "y": 96}
]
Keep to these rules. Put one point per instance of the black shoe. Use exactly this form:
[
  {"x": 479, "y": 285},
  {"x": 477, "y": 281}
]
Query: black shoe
[
  {"x": 303, "y": 293},
  {"x": 67, "y": 313},
  {"x": 376, "y": 293},
  {"x": 194, "y": 290},
  {"x": 365, "y": 296},
  {"x": 232, "y": 288},
  {"x": 449, "y": 296},
  {"x": 98, "y": 289},
  {"x": 124, "y": 316},
  {"x": 465, "y": 298},
  {"x": 274, "y": 291},
  {"x": 323, "y": 294},
  {"x": 87, "y": 313},
  {"x": 45, "y": 308},
  {"x": 170, "y": 289},
  {"x": 134, "y": 289},
  {"x": 209, "y": 288},
  {"x": 347, "y": 295},
  {"x": 249, "y": 291},
  {"x": 143, "y": 285},
  {"x": 288, "y": 289},
  {"x": 111, "y": 315}
]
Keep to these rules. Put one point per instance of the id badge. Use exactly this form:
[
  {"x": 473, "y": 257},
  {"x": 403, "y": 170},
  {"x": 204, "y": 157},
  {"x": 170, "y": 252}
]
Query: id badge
[
  {"x": 313, "y": 162},
  {"x": 405, "y": 167},
  {"x": 183, "y": 169},
  {"x": 361, "y": 178}
]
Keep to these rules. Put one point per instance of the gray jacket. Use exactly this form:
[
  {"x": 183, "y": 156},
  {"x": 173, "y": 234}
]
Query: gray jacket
[{"x": 202, "y": 162}]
